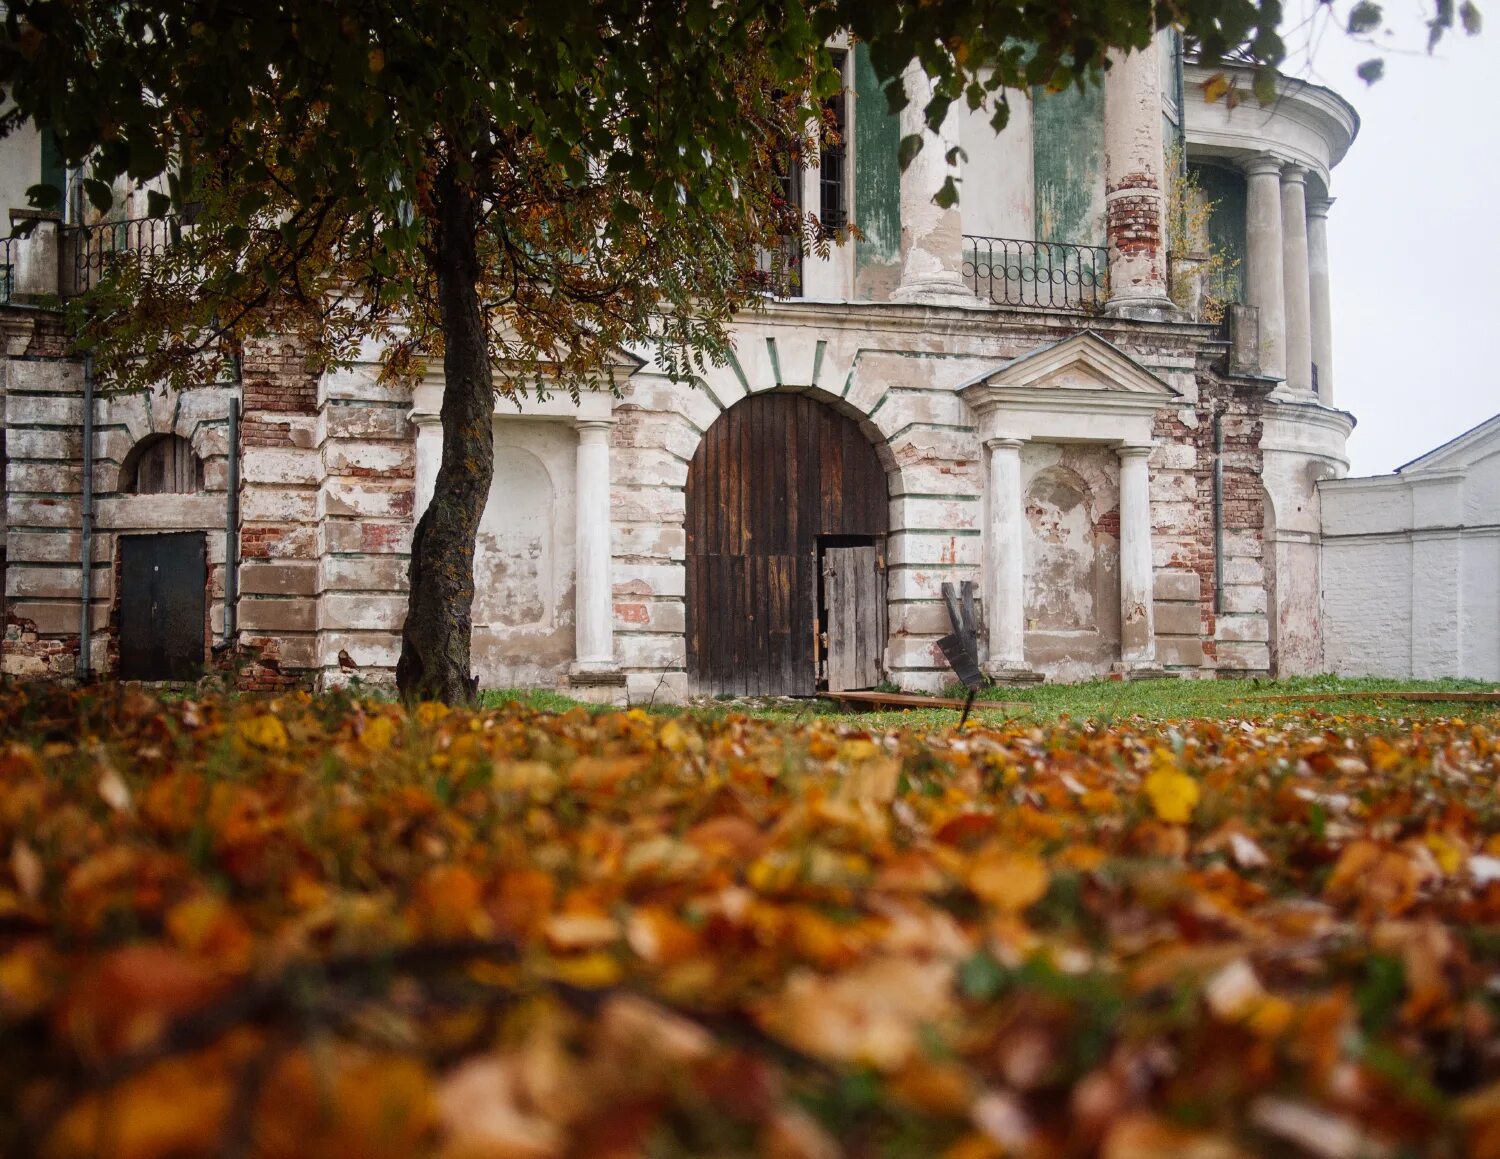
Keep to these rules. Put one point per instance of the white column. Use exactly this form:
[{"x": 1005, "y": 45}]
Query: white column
[
  {"x": 1322, "y": 313},
  {"x": 429, "y": 455},
  {"x": 1134, "y": 205},
  {"x": 1137, "y": 615},
  {"x": 932, "y": 238},
  {"x": 1265, "y": 282},
  {"x": 594, "y": 615},
  {"x": 1004, "y": 593},
  {"x": 1295, "y": 275}
]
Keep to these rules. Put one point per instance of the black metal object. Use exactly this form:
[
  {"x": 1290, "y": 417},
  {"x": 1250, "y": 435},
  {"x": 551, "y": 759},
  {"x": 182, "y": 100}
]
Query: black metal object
[
  {"x": 961, "y": 647},
  {"x": 232, "y": 523},
  {"x": 163, "y": 586},
  {"x": 8, "y": 248},
  {"x": 86, "y": 530},
  {"x": 1045, "y": 275},
  {"x": 96, "y": 247}
]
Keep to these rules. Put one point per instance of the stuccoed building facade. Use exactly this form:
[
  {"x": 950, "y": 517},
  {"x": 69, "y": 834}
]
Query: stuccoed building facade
[{"x": 1004, "y": 392}]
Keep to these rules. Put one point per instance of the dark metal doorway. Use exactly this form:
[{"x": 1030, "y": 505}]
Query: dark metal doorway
[{"x": 163, "y": 582}]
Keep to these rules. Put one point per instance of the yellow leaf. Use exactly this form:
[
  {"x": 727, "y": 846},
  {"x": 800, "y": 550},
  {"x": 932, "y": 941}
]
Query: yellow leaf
[
  {"x": 1450, "y": 855},
  {"x": 1215, "y": 87},
  {"x": 1173, "y": 795},
  {"x": 378, "y": 734},
  {"x": 264, "y": 732},
  {"x": 1009, "y": 881}
]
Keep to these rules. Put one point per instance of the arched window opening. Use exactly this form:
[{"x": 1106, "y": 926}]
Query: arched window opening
[{"x": 162, "y": 465}]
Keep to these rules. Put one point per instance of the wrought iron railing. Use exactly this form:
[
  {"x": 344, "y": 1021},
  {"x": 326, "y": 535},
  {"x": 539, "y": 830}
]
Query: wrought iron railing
[
  {"x": 1043, "y": 275},
  {"x": 9, "y": 253},
  {"x": 95, "y": 247}
]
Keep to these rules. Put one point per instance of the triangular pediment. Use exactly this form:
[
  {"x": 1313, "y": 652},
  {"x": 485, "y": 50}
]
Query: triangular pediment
[
  {"x": 1082, "y": 362},
  {"x": 1479, "y": 442}
]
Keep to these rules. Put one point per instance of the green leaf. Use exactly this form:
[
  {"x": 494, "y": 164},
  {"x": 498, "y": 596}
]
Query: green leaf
[
  {"x": 157, "y": 204},
  {"x": 1379, "y": 996},
  {"x": 1364, "y": 17},
  {"x": 1471, "y": 18},
  {"x": 907, "y": 151},
  {"x": 947, "y": 196},
  {"x": 1264, "y": 85},
  {"x": 100, "y": 195},
  {"x": 1371, "y": 71},
  {"x": 981, "y": 978},
  {"x": 44, "y": 196}
]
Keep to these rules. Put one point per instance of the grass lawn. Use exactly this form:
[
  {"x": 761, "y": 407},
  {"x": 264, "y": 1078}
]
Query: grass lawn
[{"x": 1105, "y": 701}]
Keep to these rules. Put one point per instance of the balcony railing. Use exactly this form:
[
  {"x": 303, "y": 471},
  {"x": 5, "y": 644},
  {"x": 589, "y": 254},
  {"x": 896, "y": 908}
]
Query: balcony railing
[
  {"x": 1039, "y": 275},
  {"x": 10, "y": 252},
  {"x": 95, "y": 247}
]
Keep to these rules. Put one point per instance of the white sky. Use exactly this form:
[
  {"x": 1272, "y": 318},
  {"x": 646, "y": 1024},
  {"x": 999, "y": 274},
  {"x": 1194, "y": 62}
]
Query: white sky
[{"x": 1414, "y": 236}]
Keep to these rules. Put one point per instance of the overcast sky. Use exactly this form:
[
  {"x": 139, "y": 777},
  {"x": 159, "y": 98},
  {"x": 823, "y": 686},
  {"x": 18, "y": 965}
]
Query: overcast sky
[{"x": 1414, "y": 238}]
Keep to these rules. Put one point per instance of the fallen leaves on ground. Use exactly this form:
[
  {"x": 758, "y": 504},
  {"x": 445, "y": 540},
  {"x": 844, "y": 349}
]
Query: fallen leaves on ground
[{"x": 318, "y": 927}]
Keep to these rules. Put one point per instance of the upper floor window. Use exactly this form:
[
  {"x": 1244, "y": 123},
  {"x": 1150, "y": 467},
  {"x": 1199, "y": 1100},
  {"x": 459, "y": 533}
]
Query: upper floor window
[
  {"x": 162, "y": 465},
  {"x": 833, "y": 171}
]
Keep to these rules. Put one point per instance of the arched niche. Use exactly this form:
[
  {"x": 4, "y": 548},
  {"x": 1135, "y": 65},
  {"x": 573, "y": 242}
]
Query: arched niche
[
  {"x": 161, "y": 465},
  {"x": 514, "y": 580}
]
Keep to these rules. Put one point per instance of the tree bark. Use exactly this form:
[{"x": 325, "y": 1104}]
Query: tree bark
[{"x": 435, "y": 642}]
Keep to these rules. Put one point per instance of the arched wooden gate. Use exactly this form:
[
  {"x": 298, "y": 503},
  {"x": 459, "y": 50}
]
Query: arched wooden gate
[{"x": 786, "y": 510}]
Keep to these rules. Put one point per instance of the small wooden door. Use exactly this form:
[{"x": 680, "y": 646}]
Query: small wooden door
[
  {"x": 854, "y": 601},
  {"x": 163, "y": 579}
]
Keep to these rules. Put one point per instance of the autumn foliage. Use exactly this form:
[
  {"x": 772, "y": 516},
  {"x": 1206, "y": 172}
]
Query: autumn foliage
[{"x": 324, "y": 928}]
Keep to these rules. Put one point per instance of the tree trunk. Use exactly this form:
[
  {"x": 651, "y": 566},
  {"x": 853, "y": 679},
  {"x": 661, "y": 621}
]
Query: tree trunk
[{"x": 435, "y": 643}]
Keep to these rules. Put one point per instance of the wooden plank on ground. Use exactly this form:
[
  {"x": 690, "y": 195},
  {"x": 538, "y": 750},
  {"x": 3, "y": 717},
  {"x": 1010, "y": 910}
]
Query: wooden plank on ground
[{"x": 874, "y": 700}]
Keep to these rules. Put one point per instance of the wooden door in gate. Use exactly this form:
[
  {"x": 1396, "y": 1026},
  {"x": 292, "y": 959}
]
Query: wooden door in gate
[
  {"x": 854, "y": 609},
  {"x": 773, "y": 474}
]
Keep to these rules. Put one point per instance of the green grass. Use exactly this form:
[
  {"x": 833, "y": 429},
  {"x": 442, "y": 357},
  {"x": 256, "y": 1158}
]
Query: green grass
[{"x": 1101, "y": 701}]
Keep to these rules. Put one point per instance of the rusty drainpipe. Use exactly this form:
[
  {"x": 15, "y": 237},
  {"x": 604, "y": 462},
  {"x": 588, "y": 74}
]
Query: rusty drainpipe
[
  {"x": 232, "y": 523},
  {"x": 86, "y": 529},
  {"x": 1218, "y": 511}
]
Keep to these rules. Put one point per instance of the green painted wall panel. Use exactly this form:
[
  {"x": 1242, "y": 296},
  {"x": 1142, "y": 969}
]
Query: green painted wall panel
[
  {"x": 1068, "y": 135},
  {"x": 877, "y": 173},
  {"x": 1225, "y": 189}
]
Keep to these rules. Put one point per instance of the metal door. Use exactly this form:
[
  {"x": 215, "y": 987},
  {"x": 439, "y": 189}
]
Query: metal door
[
  {"x": 163, "y": 579},
  {"x": 854, "y": 599}
]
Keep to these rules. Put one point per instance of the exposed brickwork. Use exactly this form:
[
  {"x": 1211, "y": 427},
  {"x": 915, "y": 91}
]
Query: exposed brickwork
[
  {"x": 278, "y": 380},
  {"x": 1133, "y": 221},
  {"x": 31, "y": 656},
  {"x": 256, "y": 432},
  {"x": 1243, "y": 494}
]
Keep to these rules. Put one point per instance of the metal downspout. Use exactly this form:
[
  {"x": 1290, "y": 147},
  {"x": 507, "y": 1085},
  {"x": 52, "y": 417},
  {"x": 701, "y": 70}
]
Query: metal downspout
[
  {"x": 1218, "y": 512},
  {"x": 86, "y": 529},
  {"x": 232, "y": 528}
]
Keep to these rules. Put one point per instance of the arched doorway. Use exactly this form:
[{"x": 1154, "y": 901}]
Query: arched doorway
[{"x": 786, "y": 522}]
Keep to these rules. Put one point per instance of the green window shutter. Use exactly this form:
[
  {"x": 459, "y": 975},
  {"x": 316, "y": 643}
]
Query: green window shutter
[{"x": 54, "y": 172}]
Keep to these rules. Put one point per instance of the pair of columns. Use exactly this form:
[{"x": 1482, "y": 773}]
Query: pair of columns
[
  {"x": 1286, "y": 276},
  {"x": 1135, "y": 205},
  {"x": 1005, "y": 594}
]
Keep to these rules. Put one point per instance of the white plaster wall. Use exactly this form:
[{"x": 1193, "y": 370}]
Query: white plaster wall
[
  {"x": 997, "y": 190},
  {"x": 524, "y": 570},
  {"x": 20, "y": 168},
  {"x": 1367, "y": 605},
  {"x": 1411, "y": 572}
]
